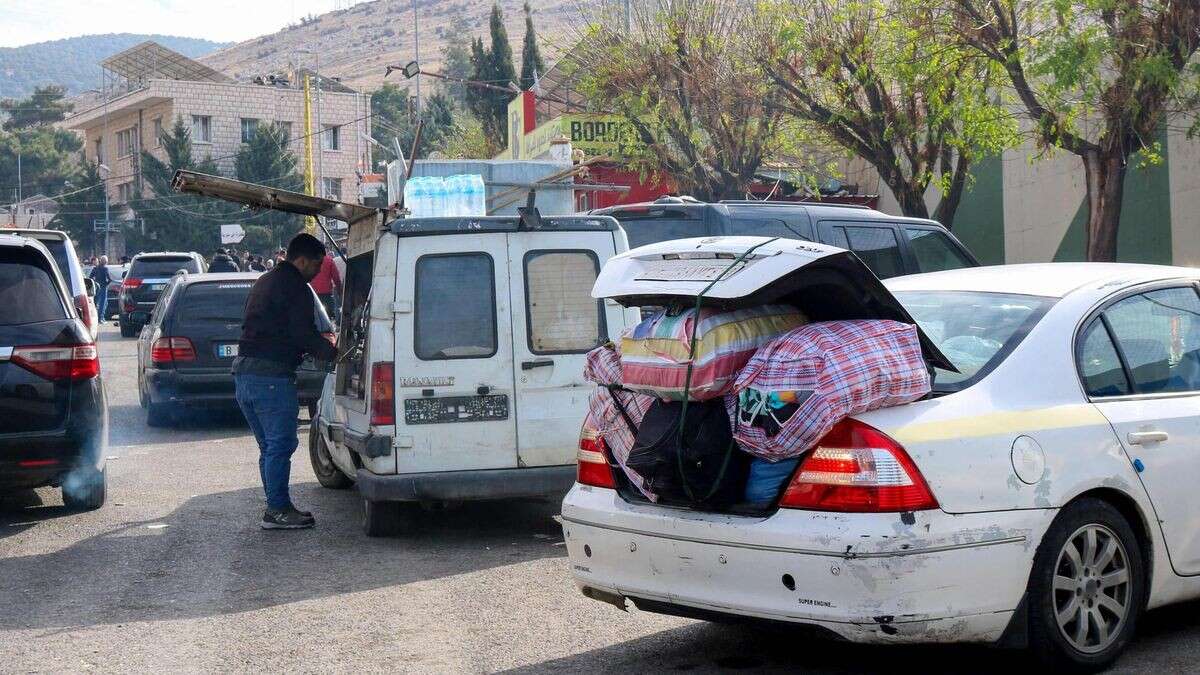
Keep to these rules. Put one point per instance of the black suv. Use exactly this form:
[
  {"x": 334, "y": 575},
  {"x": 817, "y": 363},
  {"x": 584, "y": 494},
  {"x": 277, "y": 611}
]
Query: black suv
[
  {"x": 889, "y": 245},
  {"x": 147, "y": 277},
  {"x": 191, "y": 339},
  {"x": 53, "y": 414}
]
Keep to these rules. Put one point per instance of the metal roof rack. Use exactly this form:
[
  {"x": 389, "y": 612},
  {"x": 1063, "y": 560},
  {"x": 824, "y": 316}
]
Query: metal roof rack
[{"x": 755, "y": 202}]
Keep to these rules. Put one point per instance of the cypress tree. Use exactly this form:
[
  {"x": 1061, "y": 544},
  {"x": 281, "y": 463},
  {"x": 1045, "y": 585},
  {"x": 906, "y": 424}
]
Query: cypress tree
[
  {"x": 531, "y": 57},
  {"x": 503, "y": 72}
]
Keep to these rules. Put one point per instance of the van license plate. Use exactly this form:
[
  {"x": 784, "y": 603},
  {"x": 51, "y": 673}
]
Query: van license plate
[
  {"x": 157, "y": 287},
  {"x": 227, "y": 351}
]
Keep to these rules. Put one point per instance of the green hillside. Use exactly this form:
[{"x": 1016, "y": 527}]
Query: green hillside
[{"x": 74, "y": 62}]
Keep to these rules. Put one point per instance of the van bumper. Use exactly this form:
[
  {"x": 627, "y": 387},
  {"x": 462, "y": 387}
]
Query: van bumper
[{"x": 462, "y": 486}]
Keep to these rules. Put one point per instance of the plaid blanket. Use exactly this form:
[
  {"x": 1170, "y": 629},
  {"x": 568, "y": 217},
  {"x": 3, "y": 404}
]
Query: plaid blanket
[
  {"x": 810, "y": 378},
  {"x": 603, "y": 366}
]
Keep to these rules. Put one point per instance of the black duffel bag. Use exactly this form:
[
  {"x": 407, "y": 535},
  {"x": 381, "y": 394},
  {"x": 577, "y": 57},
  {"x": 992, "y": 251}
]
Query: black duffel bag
[{"x": 706, "y": 469}]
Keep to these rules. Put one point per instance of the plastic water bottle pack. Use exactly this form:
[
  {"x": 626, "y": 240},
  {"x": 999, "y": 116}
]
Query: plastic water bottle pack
[{"x": 452, "y": 196}]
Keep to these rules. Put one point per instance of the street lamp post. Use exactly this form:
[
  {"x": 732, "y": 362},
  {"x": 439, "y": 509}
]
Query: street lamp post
[{"x": 107, "y": 225}]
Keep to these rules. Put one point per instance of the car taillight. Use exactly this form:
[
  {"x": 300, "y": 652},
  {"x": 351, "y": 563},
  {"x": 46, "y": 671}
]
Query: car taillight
[
  {"x": 857, "y": 468},
  {"x": 59, "y": 362},
  {"x": 593, "y": 460},
  {"x": 171, "y": 349},
  {"x": 383, "y": 399},
  {"x": 131, "y": 283},
  {"x": 86, "y": 312}
]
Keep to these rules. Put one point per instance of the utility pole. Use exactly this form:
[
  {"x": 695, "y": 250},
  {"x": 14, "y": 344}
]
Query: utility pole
[
  {"x": 100, "y": 161},
  {"x": 627, "y": 28},
  {"x": 417, "y": 53}
]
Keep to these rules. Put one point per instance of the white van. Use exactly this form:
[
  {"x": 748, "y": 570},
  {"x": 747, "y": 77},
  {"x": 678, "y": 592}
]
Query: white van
[{"x": 463, "y": 376}]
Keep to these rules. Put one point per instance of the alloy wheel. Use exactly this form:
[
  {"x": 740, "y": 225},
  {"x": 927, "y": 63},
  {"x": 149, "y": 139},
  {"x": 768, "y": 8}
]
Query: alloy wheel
[{"x": 1091, "y": 588}]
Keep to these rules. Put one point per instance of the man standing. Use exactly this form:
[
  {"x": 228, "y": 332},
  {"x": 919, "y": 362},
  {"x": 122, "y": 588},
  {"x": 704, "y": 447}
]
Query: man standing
[
  {"x": 100, "y": 275},
  {"x": 223, "y": 262},
  {"x": 327, "y": 283},
  {"x": 279, "y": 329}
]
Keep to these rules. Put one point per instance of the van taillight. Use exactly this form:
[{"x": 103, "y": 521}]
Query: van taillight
[
  {"x": 59, "y": 362},
  {"x": 171, "y": 349},
  {"x": 86, "y": 313},
  {"x": 383, "y": 394},
  {"x": 593, "y": 460},
  {"x": 857, "y": 468}
]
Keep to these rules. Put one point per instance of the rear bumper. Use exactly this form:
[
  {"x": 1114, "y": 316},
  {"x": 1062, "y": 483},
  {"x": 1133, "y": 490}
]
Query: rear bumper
[
  {"x": 928, "y": 576},
  {"x": 49, "y": 456},
  {"x": 461, "y": 486},
  {"x": 214, "y": 387}
]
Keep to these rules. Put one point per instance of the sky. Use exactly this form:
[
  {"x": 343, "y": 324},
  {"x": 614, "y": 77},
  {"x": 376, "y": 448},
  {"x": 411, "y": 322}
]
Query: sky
[{"x": 24, "y": 22}]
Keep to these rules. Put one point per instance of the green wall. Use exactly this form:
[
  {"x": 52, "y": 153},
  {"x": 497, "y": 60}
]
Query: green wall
[{"x": 979, "y": 222}]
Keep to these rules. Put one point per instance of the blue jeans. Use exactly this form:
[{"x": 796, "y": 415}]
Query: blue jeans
[
  {"x": 101, "y": 299},
  {"x": 271, "y": 407}
]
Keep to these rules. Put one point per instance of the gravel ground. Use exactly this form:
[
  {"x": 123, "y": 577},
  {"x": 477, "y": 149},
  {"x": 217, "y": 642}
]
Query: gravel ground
[{"x": 174, "y": 574}]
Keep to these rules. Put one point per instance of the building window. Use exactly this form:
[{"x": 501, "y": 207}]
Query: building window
[
  {"x": 249, "y": 126},
  {"x": 329, "y": 139},
  {"x": 158, "y": 132},
  {"x": 125, "y": 192},
  {"x": 126, "y": 142},
  {"x": 331, "y": 188},
  {"x": 286, "y": 132},
  {"x": 201, "y": 129}
]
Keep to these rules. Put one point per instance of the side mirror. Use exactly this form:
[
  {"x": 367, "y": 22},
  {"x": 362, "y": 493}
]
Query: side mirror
[
  {"x": 123, "y": 274},
  {"x": 89, "y": 284}
]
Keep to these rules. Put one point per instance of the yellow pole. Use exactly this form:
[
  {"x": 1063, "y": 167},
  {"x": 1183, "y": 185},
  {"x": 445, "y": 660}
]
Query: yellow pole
[{"x": 310, "y": 222}]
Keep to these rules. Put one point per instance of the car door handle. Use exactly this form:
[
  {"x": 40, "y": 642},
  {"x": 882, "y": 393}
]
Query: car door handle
[
  {"x": 539, "y": 363},
  {"x": 1143, "y": 437}
]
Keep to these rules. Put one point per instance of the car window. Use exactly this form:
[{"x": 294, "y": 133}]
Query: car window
[
  {"x": 28, "y": 292},
  {"x": 933, "y": 251},
  {"x": 876, "y": 246},
  {"x": 62, "y": 258},
  {"x": 563, "y": 316},
  {"x": 761, "y": 226},
  {"x": 1159, "y": 336},
  {"x": 145, "y": 268},
  {"x": 455, "y": 312},
  {"x": 164, "y": 300},
  {"x": 205, "y": 303},
  {"x": 975, "y": 330},
  {"x": 652, "y": 225},
  {"x": 1099, "y": 364}
]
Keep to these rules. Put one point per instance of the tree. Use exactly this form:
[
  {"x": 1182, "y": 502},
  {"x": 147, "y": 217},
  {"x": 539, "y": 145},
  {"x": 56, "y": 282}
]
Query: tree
[
  {"x": 174, "y": 221},
  {"x": 48, "y": 157},
  {"x": 493, "y": 66},
  {"x": 391, "y": 119},
  {"x": 531, "y": 58},
  {"x": 864, "y": 74},
  {"x": 467, "y": 139},
  {"x": 456, "y": 63},
  {"x": 267, "y": 161},
  {"x": 80, "y": 206},
  {"x": 686, "y": 82},
  {"x": 46, "y": 106},
  {"x": 1098, "y": 78}
]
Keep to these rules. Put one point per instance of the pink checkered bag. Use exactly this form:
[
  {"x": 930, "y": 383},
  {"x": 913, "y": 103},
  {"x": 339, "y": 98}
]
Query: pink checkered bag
[
  {"x": 795, "y": 389},
  {"x": 603, "y": 366}
]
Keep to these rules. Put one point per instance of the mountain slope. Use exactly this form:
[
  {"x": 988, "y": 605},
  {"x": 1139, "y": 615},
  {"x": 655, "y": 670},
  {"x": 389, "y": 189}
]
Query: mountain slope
[
  {"x": 357, "y": 44},
  {"x": 75, "y": 62}
]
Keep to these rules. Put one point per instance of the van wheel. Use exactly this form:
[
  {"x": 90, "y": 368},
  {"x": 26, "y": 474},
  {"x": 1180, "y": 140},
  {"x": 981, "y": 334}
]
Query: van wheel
[
  {"x": 86, "y": 490},
  {"x": 159, "y": 414},
  {"x": 1087, "y": 589},
  {"x": 328, "y": 475},
  {"x": 385, "y": 519}
]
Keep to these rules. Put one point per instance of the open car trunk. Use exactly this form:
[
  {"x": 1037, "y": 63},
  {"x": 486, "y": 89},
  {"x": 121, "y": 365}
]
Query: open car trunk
[{"x": 824, "y": 282}]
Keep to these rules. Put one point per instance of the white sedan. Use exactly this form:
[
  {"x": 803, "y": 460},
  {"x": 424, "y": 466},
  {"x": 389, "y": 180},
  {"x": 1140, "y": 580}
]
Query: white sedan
[{"x": 1061, "y": 463}]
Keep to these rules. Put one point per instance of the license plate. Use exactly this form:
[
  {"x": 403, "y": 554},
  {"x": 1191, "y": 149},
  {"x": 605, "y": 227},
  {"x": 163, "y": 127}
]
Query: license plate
[
  {"x": 227, "y": 351},
  {"x": 157, "y": 287}
]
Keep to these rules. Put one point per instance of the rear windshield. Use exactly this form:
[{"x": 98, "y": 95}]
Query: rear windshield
[
  {"x": 933, "y": 251},
  {"x": 143, "y": 268},
  {"x": 27, "y": 290},
  {"x": 58, "y": 249},
  {"x": 975, "y": 330},
  {"x": 655, "y": 225},
  {"x": 225, "y": 302}
]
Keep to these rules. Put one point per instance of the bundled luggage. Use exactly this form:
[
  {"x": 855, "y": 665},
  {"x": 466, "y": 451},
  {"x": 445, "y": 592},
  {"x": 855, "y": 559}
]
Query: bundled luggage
[
  {"x": 614, "y": 412},
  {"x": 655, "y": 356}
]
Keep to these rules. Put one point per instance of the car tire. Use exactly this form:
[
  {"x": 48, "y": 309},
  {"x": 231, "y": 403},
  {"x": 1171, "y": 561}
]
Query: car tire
[
  {"x": 159, "y": 414},
  {"x": 386, "y": 519},
  {"x": 328, "y": 474},
  {"x": 1077, "y": 576},
  {"x": 127, "y": 330},
  {"x": 87, "y": 490}
]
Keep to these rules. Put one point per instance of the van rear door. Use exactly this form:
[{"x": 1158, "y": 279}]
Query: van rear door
[
  {"x": 555, "y": 323},
  {"x": 453, "y": 365}
]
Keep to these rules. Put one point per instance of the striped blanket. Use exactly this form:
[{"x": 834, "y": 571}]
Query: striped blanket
[{"x": 655, "y": 354}]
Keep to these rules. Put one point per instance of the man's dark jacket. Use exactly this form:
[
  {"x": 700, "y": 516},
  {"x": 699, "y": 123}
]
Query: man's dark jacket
[
  {"x": 223, "y": 263},
  {"x": 280, "y": 325}
]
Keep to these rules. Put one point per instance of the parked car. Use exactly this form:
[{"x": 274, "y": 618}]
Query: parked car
[
  {"x": 113, "y": 306},
  {"x": 53, "y": 412},
  {"x": 889, "y": 245},
  {"x": 1043, "y": 495},
  {"x": 147, "y": 277},
  {"x": 186, "y": 350},
  {"x": 465, "y": 343},
  {"x": 82, "y": 289}
]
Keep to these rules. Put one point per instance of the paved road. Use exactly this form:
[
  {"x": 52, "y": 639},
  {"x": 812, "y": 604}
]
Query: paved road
[{"x": 175, "y": 574}]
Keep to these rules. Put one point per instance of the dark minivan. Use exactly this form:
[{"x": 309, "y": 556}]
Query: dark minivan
[
  {"x": 147, "y": 277},
  {"x": 890, "y": 245},
  {"x": 53, "y": 413},
  {"x": 189, "y": 344}
]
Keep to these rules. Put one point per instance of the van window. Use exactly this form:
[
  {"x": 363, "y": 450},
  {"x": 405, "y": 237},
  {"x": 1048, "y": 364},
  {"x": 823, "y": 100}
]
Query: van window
[
  {"x": 28, "y": 292},
  {"x": 762, "y": 227},
  {"x": 934, "y": 252},
  {"x": 877, "y": 246},
  {"x": 455, "y": 312},
  {"x": 563, "y": 316}
]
